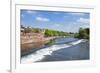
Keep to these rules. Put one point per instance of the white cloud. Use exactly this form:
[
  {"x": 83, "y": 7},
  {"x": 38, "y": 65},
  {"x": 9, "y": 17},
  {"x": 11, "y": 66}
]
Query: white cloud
[
  {"x": 83, "y": 20},
  {"x": 31, "y": 12},
  {"x": 42, "y": 19},
  {"x": 22, "y": 15}
]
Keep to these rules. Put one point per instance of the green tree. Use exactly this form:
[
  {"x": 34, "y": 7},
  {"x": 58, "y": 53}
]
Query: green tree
[{"x": 83, "y": 33}]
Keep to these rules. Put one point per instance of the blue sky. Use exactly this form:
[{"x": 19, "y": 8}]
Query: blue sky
[{"x": 56, "y": 20}]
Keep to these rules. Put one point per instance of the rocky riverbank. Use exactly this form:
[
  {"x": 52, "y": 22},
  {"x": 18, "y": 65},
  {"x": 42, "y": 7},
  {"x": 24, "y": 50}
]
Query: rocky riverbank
[
  {"x": 32, "y": 41},
  {"x": 35, "y": 38}
]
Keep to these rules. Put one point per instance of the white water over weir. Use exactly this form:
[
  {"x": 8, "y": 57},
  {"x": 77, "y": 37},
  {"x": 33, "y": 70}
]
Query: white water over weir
[{"x": 40, "y": 54}]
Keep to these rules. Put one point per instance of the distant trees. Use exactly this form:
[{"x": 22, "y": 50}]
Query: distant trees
[
  {"x": 46, "y": 32},
  {"x": 36, "y": 30},
  {"x": 55, "y": 33},
  {"x": 83, "y": 33}
]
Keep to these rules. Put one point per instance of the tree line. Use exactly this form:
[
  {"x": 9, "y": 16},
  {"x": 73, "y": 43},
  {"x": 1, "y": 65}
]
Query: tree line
[
  {"x": 83, "y": 33},
  {"x": 55, "y": 33},
  {"x": 47, "y": 32}
]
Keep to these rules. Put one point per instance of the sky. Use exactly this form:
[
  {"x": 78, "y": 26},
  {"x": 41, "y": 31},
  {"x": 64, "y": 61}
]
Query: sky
[{"x": 56, "y": 20}]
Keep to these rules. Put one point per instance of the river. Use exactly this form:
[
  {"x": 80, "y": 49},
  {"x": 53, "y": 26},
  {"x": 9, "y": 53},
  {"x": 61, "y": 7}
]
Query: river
[{"x": 60, "y": 49}]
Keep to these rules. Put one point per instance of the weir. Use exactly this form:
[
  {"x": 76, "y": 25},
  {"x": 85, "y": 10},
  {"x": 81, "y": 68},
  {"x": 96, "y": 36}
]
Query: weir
[{"x": 40, "y": 54}]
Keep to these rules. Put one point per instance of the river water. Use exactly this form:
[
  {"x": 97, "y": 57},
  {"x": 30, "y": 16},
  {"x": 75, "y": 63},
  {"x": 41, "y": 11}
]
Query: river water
[{"x": 60, "y": 49}]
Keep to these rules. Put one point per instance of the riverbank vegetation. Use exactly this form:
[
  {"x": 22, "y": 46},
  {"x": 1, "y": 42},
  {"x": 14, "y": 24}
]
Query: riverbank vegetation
[
  {"x": 82, "y": 34},
  {"x": 29, "y": 34},
  {"x": 49, "y": 33},
  {"x": 46, "y": 32}
]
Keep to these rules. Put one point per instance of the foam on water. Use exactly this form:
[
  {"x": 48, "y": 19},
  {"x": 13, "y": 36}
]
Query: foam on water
[{"x": 40, "y": 54}]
